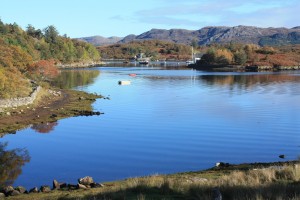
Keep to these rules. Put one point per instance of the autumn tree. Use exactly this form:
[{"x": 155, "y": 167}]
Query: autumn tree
[
  {"x": 44, "y": 69},
  {"x": 223, "y": 56},
  {"x": 240, "y": 57}
]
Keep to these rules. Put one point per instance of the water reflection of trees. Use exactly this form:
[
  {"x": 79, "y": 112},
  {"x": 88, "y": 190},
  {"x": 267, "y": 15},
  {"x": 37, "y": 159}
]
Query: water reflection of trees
[
  {"x": 247, "y": 80},
  {"x": 68, "y": 79},
  {"x": 11, "y": 163},
  {"x": 45, "y": 127}
]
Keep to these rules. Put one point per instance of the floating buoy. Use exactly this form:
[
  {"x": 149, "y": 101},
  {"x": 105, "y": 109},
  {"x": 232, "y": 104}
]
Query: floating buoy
[{"x": 132, "y": 74}]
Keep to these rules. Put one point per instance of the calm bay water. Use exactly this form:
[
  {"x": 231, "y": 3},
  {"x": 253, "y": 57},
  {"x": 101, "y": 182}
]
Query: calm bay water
[{"x": 168, "y": 120}]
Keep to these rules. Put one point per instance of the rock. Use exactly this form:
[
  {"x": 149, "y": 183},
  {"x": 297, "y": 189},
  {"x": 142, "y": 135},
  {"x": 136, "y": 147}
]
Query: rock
[
  {"x": 53, "y": 115},
  {"x": 14, "y": 193},
  {"x": 72, "y": 187},
  {"x": 281, "y": 156},
  {"x": 2, "y": 195},
  {"x": 96, "y": 185},
  {"x": 34, "y": 190},
  {"x": 56, "y": 184},
  {"x": 217, "y": 194},
  {"x": 21, "y": 189},
  {"x": 222, "y": 164},
  {"x": 63, "y": 185},
  {"x": 6, "y": 190},
  {"x": 45, "y": 188},
  {"x": 8, "y": 113},
  {"x": 86, "y": 180},
  {"x": 80, "y": 186}
]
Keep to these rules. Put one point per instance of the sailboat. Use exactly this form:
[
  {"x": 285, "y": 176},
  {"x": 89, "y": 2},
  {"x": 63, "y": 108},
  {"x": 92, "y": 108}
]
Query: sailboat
[{"x": 188, "y": 62}]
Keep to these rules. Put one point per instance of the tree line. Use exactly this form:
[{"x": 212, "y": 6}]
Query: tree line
[
  {"x": 33, "y": 54},
  {"x": 155, "y": 49},
  {"x": 250, "y": 54}
]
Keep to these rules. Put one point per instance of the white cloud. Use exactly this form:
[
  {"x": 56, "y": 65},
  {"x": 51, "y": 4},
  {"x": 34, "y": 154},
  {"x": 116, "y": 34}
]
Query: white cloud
[{"x": 199, "y": 13}]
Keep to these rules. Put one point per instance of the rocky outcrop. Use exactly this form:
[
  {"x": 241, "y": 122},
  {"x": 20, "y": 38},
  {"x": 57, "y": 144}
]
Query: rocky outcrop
[
  {"x": 15, "y": 102},
  {"x": 79, "y": 64}
]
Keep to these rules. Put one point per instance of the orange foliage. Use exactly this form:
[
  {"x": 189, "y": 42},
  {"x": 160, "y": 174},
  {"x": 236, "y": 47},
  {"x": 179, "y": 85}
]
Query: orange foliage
[
  {"x": 45, "y": 68},
  {"x": 13, "y": 56},
  {"x": 224, "y": 56}
]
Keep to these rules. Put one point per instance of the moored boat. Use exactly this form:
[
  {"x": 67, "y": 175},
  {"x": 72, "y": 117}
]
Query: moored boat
[{"x": 144, "y": 62}]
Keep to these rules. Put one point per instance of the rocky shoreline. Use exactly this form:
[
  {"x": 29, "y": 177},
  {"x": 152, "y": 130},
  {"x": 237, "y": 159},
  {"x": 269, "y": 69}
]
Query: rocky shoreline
[
  {"x": 83, "y": 183},
  {"x": 52, "y": 106},
  {"x": 79, "y": 64},
  {"x": 86, "y": 186}
]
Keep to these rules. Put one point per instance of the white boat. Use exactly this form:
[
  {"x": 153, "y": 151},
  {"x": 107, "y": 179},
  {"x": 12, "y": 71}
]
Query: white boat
[
  {"x": 189, "y": 62},
  {"x": 124, "y": 82}
]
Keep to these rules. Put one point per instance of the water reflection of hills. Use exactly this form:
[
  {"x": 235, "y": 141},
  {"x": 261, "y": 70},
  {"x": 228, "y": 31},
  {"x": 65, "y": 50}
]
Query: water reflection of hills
[
  {"x": 248, "y": 80},
  {"x": 11, "y": 163},
  {"x": 68, "y": 79}
]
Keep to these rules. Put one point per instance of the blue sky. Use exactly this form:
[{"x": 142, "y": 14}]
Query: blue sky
[{"x": 80, "y": 18}]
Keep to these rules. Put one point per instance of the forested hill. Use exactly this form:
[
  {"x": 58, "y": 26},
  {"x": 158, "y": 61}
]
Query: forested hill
[{"x": 32, "y": 54}]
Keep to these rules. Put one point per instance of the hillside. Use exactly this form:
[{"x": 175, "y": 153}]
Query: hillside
[
  {"x": 101, "y": 41},
  {"x": 33, "y": 55},
  {"x": 223, "y": 34},
  {"x": 152, "y": 48}
]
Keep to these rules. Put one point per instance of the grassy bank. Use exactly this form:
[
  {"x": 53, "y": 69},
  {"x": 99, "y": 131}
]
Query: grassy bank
[
  {"x": 246, "y": 181},
  {"x": 50, "y": 106}
]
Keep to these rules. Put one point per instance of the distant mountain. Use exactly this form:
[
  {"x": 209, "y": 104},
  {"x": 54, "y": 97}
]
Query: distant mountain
[
  {"x": 211, "y": 34},
  {"x": 101, "y": 41},
  {"x": 222, "y": 34}
]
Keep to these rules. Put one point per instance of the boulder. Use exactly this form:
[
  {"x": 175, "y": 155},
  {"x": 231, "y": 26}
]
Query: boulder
[
  {"x": 2, "y": 195},
  {"x": 34, "y": 190},
  {"x": 86, "y": 180},
  {"x": 56, "y": 185},
  {"x": 222, "y": 164},
  {"x": 6, "y": 190},
  {"x": 80, "y": 186},
  {"x": 72, "y": 187},
  {"x": 96, "y": 185},
  {"x": 45, "y": 188},
  {"x": 14, "y": 193},
  {"x": 21, "y": 189},
  {"x": 63, "y": 185}
]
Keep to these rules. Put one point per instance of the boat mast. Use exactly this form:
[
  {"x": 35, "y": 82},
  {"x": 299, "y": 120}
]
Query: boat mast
[{"x": 192, "y": 54}]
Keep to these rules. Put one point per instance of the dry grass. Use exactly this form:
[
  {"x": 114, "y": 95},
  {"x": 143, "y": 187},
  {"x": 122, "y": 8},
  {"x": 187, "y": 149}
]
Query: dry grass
[{"x": 257, "y": 184}]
